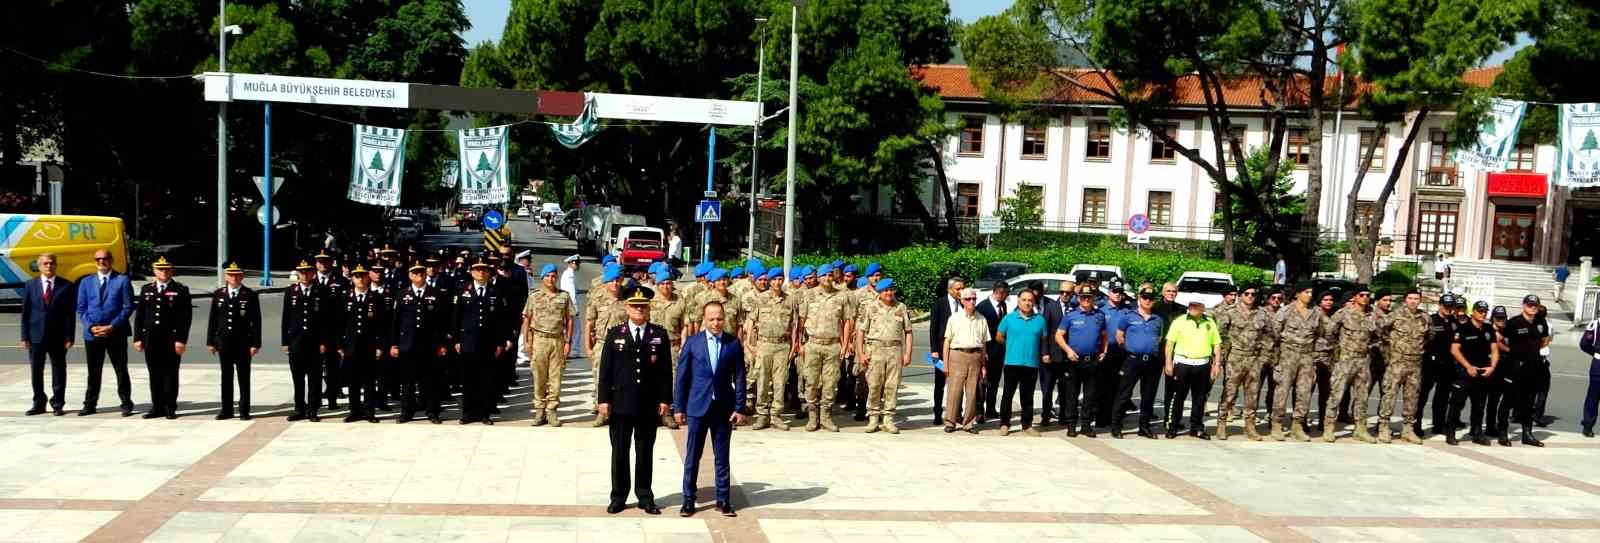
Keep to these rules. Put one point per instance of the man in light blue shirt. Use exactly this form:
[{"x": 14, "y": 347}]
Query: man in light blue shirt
[{"x": 1023, "y": 333}]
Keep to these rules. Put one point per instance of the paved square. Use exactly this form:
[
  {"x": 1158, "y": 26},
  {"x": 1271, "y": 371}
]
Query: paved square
[
  {"x": 797, "y": 531},
  {"x": 98, "y": 458}
]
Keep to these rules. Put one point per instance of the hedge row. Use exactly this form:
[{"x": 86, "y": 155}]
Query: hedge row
[{"x": 919, "y": 270}]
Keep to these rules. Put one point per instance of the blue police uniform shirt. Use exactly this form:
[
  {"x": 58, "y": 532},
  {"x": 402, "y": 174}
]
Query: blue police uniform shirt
[
  {"x": 1022, "y": 338},
  {"x": 1143, "y": 335},
  {"x": 1083, "y": 330}
]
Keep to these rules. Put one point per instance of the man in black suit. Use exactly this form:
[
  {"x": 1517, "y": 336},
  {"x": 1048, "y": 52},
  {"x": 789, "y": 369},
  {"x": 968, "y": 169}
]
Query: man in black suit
[
  {"x": 49, "y": 318},
  {"x": 302, "y": 336},
  {"x": 233, "y": 333},
  {"x": 480, "y": 340},
  {"x": 1049, "y": 374},
  {"x": 635, "y": 392},
  {"x": 993, "y": 309},
  {"x": 366, "y": 316},
  {"x": 161, "y": 332},
  {"x": 946, "y": 304},
  {"x": 417, "y": 345}
]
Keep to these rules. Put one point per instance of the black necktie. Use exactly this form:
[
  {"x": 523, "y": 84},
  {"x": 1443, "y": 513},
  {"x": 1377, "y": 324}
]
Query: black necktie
[
  {"x": 103, "y": 282},
  {"x": 1002, "y": 309}
]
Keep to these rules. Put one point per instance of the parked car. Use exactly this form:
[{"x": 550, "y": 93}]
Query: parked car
[
  {"x": 610, "y": 235},
  {"x": 995, "y": 271},
  {"x": 1106, "y": 274},
  {"x": 571, "y": 222},
  {"x": 641, "y": 246},
  {"x": 1207, "y": 287},
  {"x": 1017, "y": 283},
  {"x": 404, "y": 230},
  {"x": 522, "y": 212}
]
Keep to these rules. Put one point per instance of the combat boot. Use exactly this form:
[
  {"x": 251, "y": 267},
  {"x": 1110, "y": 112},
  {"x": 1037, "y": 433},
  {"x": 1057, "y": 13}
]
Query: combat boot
[
  {"x": 1360, "y": 433},
  {"x": 811, "y": 419},
  {"x": 538, "y": 417},
  {"x": 600, "y": 420},
  {"x": 1409, "y": 436},
  {"x": 759, "y": 424},
  {"x": 1276, "y": 429},
  {"x": 1297, "y": 428},
  {"x": 1250, "y": 429},
  {"x": 1329, "y": 427},
  {"x": 552, "y": 419},
  {"x": 827, "y": 419},
  {"x": 872, "y": 424},
  {"x": 1527, "y": 437},
  {"x": 1222, "y": 428},
  {"x": 888, "y": 425},
  {"x": 778, "y": 423}
]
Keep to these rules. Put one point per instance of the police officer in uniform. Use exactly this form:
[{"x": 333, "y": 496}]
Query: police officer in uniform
[
  {"x": 366, "y": 314},
  {"x": 233, "y": 333},
  {"x": 1476, "y": 354},
  {"x": 1525, "y": 334},
  {"x": 303, "y": 338},
  {"x": 480, "y": 340},
  {"x": 417, "y": 345},
  {"x": 161, "y": 332},
  {"x": 1438, "y": 366}
]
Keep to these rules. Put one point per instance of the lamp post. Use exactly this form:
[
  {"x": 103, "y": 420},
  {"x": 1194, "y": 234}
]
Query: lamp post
[
  {"x": 788, "y": 189},
  {"x": 222, "y": 142},
  {"x": 755, "y": 133}
]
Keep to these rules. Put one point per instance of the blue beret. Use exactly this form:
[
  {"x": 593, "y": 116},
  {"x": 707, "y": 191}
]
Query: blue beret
[
  {"x": 775, "y": 273},
  {"x": 837, "y": 264},
  {"x": 825, "y": 269},
  {"x": 873, "y": 268},
  {"x": 808, "y": 270},
  {"x": 885, "y": 284},
  {"x": 547, "y": 270},
  {"x": 861, "y": 282},
  {"x": 607, "y": 259},
  {"x": 849, "y": 268},
  {"x": 755, "y": 267},
  {"x": 663, "y": 274},
  {"x": 716, "y": 274},
  {"x": 702, "y": 269},
  {"x": 736, "y": 272},
  {"x": 611, "y": 273},
  {"x": 655, "y": 266}
]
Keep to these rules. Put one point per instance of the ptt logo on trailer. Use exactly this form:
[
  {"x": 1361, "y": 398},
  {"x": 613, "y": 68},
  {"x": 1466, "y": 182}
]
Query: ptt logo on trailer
[{"x": 76, "y": 231}]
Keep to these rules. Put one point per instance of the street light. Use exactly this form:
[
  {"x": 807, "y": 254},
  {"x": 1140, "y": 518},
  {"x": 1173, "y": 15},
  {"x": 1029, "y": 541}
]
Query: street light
[
  {"x": 788, "y": 189},
  {"x": 755, "y": 134},
  {"x": 223, "y": 30}
]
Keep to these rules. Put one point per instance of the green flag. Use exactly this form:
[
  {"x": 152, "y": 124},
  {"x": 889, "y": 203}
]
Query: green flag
[{"x": 376, "y": 181}]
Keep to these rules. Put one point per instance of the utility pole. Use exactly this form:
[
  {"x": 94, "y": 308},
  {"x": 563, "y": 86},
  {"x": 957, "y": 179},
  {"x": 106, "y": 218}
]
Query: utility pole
[
  {"x": 222, "y": 143},
  {"x": 755, "y": 134},
  {"x": 794, "y": 106}
]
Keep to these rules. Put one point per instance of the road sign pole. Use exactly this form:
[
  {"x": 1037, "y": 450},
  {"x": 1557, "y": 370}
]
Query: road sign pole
[
  {"x": 266, "y": 192},
  {"x": 711, "y": 170}
]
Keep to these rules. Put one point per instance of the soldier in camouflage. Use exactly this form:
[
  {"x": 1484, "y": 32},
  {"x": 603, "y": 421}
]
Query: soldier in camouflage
[
  {"x": 1246, "y": 331},
  {"x": 1353, "y": 328},
  {"x": 883, "y": 347},
  {"x": 1296, "y": 327},
  {"x": 771, "y": 328},
  {"x": 1322, "y": 356},
  {"x": 717, "y": 292},
  {"x": 547, "y": 323},
  {"x": 828, "y": 320},
  {"x": 604, "y": 311},
  {"x": 1408, "y": 331}
]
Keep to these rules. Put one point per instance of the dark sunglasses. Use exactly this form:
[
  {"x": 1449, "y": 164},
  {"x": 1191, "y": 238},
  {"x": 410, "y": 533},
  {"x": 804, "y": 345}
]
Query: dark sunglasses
[
  {"x": 99, "y": 258},
  {"x": 969, "y": 299},
  {"x": 1248, "y": 293}
]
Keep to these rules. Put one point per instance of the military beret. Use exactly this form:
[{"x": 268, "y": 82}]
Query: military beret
[
  {"x": 703, "y": 268},
  {"x": 861, "y": 282},
  {"x": 607, "y": 259},
  {"x": 838, "y": 264},
  {"x": 716, "y": 274},
  {"x": 754, "y": 266},
  {"x": 873, "y": 267},
  {"x": 1382, "y": 292},
  {"x": 885, "y": 284},
  {"x": 825, "y": 269},
  {"x": 735, "y": 273},
  {"x": 849, "y": 268},
  {"x": 775, "y": 273},
  {"x": 547, "y": 269},
  {"x": 807, "y": 271},
  {"x": 611, "y": 272},
  {"x": 663, "y": 275},
  {"x": 1302, "y": 285}
]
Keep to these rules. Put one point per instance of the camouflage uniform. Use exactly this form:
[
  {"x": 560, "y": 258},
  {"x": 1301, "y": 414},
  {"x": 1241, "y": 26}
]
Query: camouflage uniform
[
  {"x": 603, "y": 312},
  {"x": 547, "y": 312},
  {"x": 1246, "y": 332},
  {"x": 1297, "y": 334},
  {"x": 883, "y": 330},
  {"x": 731, "y": 311},
  {"x": 1408, "y": 331},
  {"x": 1352, "y": 369},
  {"x": 827, "y": 315},
  {"x": 671, "y": 315},
  {"x": 771, "y": 325}
]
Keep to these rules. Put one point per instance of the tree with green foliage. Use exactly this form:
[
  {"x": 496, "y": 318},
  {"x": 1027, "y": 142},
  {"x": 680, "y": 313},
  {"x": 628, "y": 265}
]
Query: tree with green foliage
[
  {"x": 1390, "y": 37},
  {"x": 1278, "y": 194},
  {"x": 1024, "y": 209},
  {"x": 1558, "y": 67}
]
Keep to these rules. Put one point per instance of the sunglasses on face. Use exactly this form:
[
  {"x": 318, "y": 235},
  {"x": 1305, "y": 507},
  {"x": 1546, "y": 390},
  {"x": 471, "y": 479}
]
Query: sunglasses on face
[
  {"x": 969, "y": 299},
  {"x": 100, "y": 258},
  {"x": 1249, "y": 294}
]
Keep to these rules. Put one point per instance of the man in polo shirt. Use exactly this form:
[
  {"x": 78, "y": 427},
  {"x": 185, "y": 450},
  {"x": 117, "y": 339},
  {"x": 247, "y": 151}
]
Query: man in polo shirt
[
  {"x": 1023, "y": 334},
  {"x": 965, "y": 334},
  {"x": 1193, "y": 342},
  {"x": 1139, "y": 333},
  {"x": 1082, "y": 337}
]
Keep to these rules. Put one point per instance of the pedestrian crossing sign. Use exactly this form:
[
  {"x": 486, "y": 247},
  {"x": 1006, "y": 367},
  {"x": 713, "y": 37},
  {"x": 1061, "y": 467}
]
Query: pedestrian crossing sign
[{"x": 709, "y": 211}]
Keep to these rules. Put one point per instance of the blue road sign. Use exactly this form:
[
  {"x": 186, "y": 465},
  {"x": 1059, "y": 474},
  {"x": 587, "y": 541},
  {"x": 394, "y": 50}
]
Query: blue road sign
[
  {"x": 493, "y": 220},
  {"x": 709, "y": 211},
  {"x": 1139, "y": 223}
]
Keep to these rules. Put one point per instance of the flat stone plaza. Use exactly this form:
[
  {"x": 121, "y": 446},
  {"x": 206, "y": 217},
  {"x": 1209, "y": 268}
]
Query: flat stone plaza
[{"x": 107, "y": 478}]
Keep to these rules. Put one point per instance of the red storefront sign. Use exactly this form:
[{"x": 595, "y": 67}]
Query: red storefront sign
[{"x": 1518, "y": 184}]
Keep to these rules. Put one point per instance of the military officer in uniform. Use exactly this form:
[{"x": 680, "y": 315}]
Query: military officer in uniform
[
  {"x": 1409, "y": 330},
  {"x": 547, "y": 323},
  {"x": 1244, "y": 329},
  {"x": 303, "y": 338},
  {"x": 233, "y": 333},
  {"x": 635, "y": 388},
  {"x": 828, "y": 320},
  {"x": 883, "y": 347},
  {"x": 161, "y": 332},
  {"x": 361, "y": 346},
  {"x": 669, "y": 311},
  {"x": 333, "y": 288},
  {"x": 771, "y": 328},
  {"x": 1352, "y": 367},
  {"x": 479, "y": 341},
  {"x": 417, "y": 347},
  {"x": 602, "y": 311},
  {"x": 1296, "y": 327}
]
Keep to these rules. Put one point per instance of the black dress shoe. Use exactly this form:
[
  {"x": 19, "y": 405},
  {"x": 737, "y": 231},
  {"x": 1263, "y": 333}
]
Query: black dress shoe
[
  {"x": 1144, "y": 431},
  {"x": 1503, "y": 441},
  {"x": 352, "y": 417},
  {"x": 224, "y": 416},
  {"x": 60, "y": 412},
  {"x": 1116, "y": 432},
  {"x": 35, "y": 411},
  {"x": 1088, "y": 431},
  {"x": 1072, "y": 431},
  {"x": 372, "y": 418},
  {"x": 686, "y": 511},
  {"x": 463, "y": 420},
  {"x": 614, "y": 508},
  {"x": 87, "y": 411},
  {"x": 127, "y": 411},
  {"x": 1588, "y": 432},
  {"x": 435, "y": 419},
  {"x": 314, "y": 417},
  {"x": 295, "y": 417},
  {"x": 726, "y": 510},
  {"x": 487, "y": 421},
  {"x": 1201, "y": 435},
  {"x": 153, "y": 414},
  {"x": 650, "y": 508},
  {"x": 1172, "y": 433},
  {"x": 1481, "y": 440},
  {"x": 171, "y": 416},
  {"x": 244, "y": 416}
]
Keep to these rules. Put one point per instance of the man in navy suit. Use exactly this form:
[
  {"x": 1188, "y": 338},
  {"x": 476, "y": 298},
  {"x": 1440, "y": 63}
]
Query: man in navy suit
[
  {"x": 710, "y": 376},
  {"x": 48, "y": 322},
  {"x": 105, "y": 303}
]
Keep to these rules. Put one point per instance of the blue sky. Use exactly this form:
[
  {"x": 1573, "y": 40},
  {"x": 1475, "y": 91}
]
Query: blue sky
[{"x": 489, "y": 16}]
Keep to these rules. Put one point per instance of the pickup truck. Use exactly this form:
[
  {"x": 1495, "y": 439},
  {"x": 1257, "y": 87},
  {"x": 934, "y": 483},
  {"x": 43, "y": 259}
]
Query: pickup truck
[{"x": 640, "y": 246}]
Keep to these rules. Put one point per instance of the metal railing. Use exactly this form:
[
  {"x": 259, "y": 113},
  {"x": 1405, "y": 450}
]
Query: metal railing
[{"x": 1439, "y": 177}]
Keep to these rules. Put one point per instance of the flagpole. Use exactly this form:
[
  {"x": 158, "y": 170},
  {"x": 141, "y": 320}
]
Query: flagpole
[{"x": 266, "y": 195}]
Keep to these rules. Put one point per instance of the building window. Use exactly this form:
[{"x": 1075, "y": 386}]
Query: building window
[
  {"x": 1234, "y": 133},
  {"x": 1440, "y": 156},
  {"x": 1033, "y": 138},
  {"x": 1380, "y": 149},
  {"x": 1094, "y": 207},
  {"x": 1436, "y": 227},
  {"x": 1160, "y": 208},
  {"x": 1098, "y": 145},
  {"x": 1366, "y": 215},
  {"x": 1521, "y": 158},
  {"x": 1159, "y": 150},
  {"x": 967, "y": 200},
  {"x": 1297, "y": 150},
  {"x": 971, "y": 136}
]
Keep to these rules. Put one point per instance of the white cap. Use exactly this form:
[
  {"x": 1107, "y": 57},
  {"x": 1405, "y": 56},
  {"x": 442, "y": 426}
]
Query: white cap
[
  {"x": 573, "y": 258},
  {"x": 525, "y": 254}
]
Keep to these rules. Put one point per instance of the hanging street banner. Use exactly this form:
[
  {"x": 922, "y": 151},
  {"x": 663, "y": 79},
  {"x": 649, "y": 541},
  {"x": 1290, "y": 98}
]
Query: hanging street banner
[
  {"x": 451, "y": 172},
  {"x": 306, "y": 90},
  {"x": 670, "y": 109},
  {"x": 581, "y": 130},
  {"x": 484, "y": 165},
  {"x": 1497, "y": 136},
  {"x": 378, "y": 165},
  {"x": 1578, "y": 146}
]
